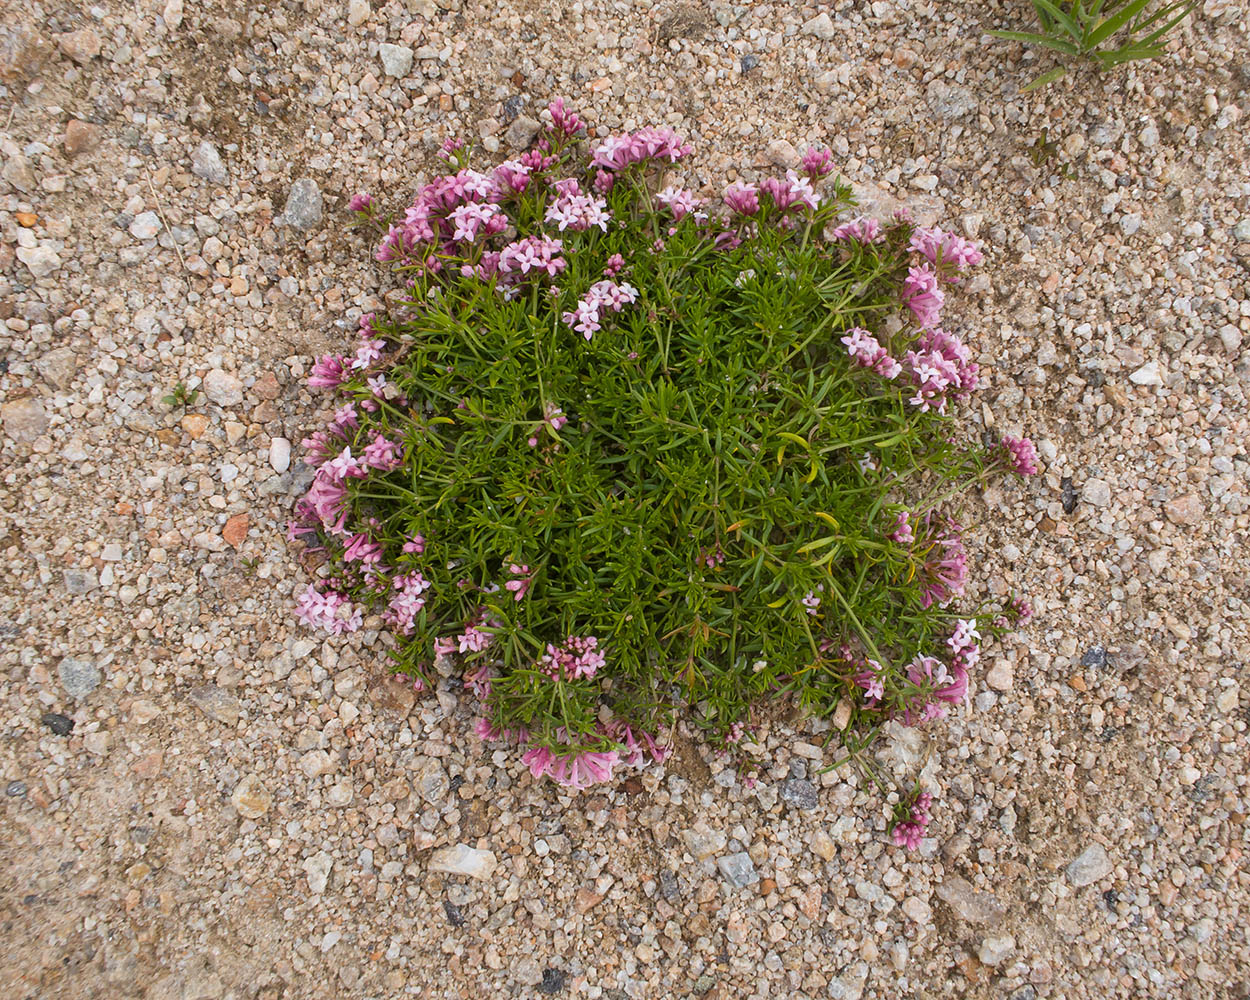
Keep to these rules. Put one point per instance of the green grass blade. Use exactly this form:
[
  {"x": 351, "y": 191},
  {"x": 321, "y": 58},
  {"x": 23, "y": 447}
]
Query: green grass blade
[
  {"x": 1130, "y": 53},
  {"x": 1067, "y": 48},
  {"x": 1045, "y": 78},
  {"x": 1113, "y": 24},
  {"x": 1059, "y": 17},
  {"x": 1158, "y": 33}
]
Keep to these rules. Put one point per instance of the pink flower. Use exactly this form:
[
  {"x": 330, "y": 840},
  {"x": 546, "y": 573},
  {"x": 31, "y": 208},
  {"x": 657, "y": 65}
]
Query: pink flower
[
  {"x": 414, "y": 544},
  {"x": 361, "y": 547},
  {"x": 331, "y": 611},
  {"x": 520, "y": 584},
  {"x": 533, "y": 253},
  {"x": 863, "y": 230},
  {"x": 472, "y": 640},
  {"x": 913, "y": 821},
  {"x": 613, "y": 266},
  {"x": 328, "y": 372},
  {"x": 678, "y": 200},
  {"x": 580, "y": 657},
  {"x": 383, "y": 455},
  {"x": 573, "y": 770},
  {"x": 563, "y": 121},
  {"x": 902, "y": 533},
  {"x": 811, "y": 602},
  {"x": 871, "y": 681},
  {"x": 946, "y": 566},
  {"x": 618, "y": 152},
  {"x": 343, "y": 466},
  {"x": 1021, "y": 455},
  {"x": 945, "y": 251},
  {"x": 923, "y": 296},
  {"x": 817, "y": 163},
  {"x": 742, "y": 198},
  {"x": 360, "y": 203},
  {"x": 585, "y": 317},
  {"x": 792, "y": 192},
  {"x": 868, "y": 353},
  {"x": 578, "y": 212},
  {"x": 370, "y": 350}
]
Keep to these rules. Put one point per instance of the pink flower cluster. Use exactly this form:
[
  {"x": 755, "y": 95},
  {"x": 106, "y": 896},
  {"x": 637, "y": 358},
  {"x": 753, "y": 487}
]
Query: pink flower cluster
[
  {"x": 1021, "y": 455},
  {"x": 616, "y": 153},
  {"x": 606, "y": 294},
  {"x": 949, "y": 253},
  {"x": 792, "y": 192},
  {"x": 331, "y": 611},
  {"x": 576, "y": 211},
  {"x": 941, "y": 368},
  {"x": 923, "y": 295},
  {"x": 868, "y": 353},
  {"x": 407, "y": 602},
  {"x": 579, "y": 657},
  {"x": 901, "y": 532},
  {"x": 742, "y": 198},
  {"x": 519, "y": 585},
  {"x": 946, "y": 562},
  {"x": 863, "y": 230},
  {"x": 680, "y": 201},
  {"x": 910, "y": 832}
]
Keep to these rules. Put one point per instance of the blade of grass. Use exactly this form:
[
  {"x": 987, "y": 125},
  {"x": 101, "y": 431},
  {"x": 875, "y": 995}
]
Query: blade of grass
[
  {"x": 1067, "y": 48},
  {"x": 1112, "y": 24},
  {"x": 1045, "y": 78}
]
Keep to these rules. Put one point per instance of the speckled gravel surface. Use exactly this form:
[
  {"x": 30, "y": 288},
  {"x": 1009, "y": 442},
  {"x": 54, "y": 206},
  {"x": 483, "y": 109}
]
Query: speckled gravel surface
[{"x": 243, "y": 810}]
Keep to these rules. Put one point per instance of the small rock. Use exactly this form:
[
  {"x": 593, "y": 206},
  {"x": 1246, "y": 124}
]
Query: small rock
[
  {"x": 996, "y": 950},
  {"x": 341, "y": 794},
  {"x": 949, "y": 101},
  {"x": 82, "y": 46},
  {"x": 303, "y": 204},
  {"x": 521, "y": 132},
  {"x": 58, "y": 367},
  {"x": 279, "y": 454},
  {"x": 235, "y": 530},
  {"x": 22, "y": 51},
  {"x": 222, "y": 388},
  {"x": 702, "y": 841},
  {"x": 1000, "y": 675},
  {"x": 1090, "y": 866},
  {"x": 206, "y": 163},
  {"x": 315, "y": 763},
  {"x": 40, "y": 260},
  {"x": 430, "y": 780},
  {"x": 195, "y": 424},
  {"x": 396, "y": 59},
  {"x": 823, "y": 845},
  {"x": 317, "y": 868},
  {"x": 172, "y": 14},
  {"x": 81, "y": 137},
  {"x": 799, "y": 793},
  {"x": 15, "y": 789},
  {"x": 1242, "y": 230},
  {"x": 1095, "y": 656},
  {"x": 251, "y": 799},
  {"x": 24, "y": 419},
  {"x": 552, "y": 981},
  {"x": 145, "y": 225},
  {"x": 1096, "y": 492},
  {"x": 357, "y": 13},
  {"x": 80, "y": 581},
  {"x": 969, "y": 904},
  {"x": 18, "y": 173},
  {"x": 781, "y": 153},
  {"x": 1147, "y": 374},
  {"x": 461, "y": 859},
  {"x": 216, "y": 703},
  {"x": 850, "y": 984},
  {"x": 78, "y": 677},
  {"x": 918, "y": 910},
  {"x": 738, "y": 870},
  {"x": 585, "y": 900},
  {"x": 61, "y": 725},
  {"x": 98, "y": 743},
  {"x": 821, "y": 26},
  {"x": 1185, "y": 510}
]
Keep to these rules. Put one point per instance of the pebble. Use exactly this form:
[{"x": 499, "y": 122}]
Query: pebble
[
  {"x": 79, "y": 677},
  {"x": 206, "y": 162},
  {"x": 521, "y": 133},
  {"x": 15, "y": 789},
  {"x": 82, "y": 46},
  {"x": 279, "y": 454},
  {"x": 396, "y": 59},
  {"x": 996, "y": 950},
  {"x": 1090, "y": 866},
  {"x": 60, "y": 725},
  {"x": 303, "y": 204},
  {"x": 358, "y": 13},
  {"x": 40, "y": 260},
  {"x": 431, "y": 781},
  {"x": 821, "y": 26},
  {"x": 98, "y": 744},
  {"x": 1000, "y": 676},
  {"x": 317, "y": 868},
  {"x": 251, "y": 799},
  {"x": 703, "y": 842},
  {"x": 81, "y": 137},
  {"x": 799, "y": 793},
  {"x": 738, "y": 869},
  {"x": 24, "y": 419},
  {"x": 969, "y": 904},
  {"x": 1186, "y": 510},
  {"x": 461, "y": 859},
  {"x": 17, "y": 172},
  {"x": 1096, "y": 492},
  {"x": 1147, "y": 374},
  {"x": 222, "y": 388},
  {"x": 145, "y": 226},
  {"x": 216, "y": 703}
]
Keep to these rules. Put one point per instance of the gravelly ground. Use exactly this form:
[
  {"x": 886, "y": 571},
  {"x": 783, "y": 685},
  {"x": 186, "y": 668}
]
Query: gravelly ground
[{"x": 1091, "y": 825}]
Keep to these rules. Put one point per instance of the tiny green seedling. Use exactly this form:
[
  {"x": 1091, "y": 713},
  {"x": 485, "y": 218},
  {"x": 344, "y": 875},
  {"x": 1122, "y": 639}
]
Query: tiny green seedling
[
  {"x": 1089, "y": 29},
  {"x": 180, "y": 395}
]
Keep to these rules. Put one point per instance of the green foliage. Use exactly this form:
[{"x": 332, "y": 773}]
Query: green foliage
[
  {"x": 1109, "y": 32},
  {"x": 180, "y": 395}
]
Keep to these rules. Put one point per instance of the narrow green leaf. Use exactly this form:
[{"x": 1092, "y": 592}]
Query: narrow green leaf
[
  {"x": 1060, "y": 18},
  {"x": 1067, "y": 48},
  {"x": 1112, "y": 24},
  {"x": 1044, "y": 79}
]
